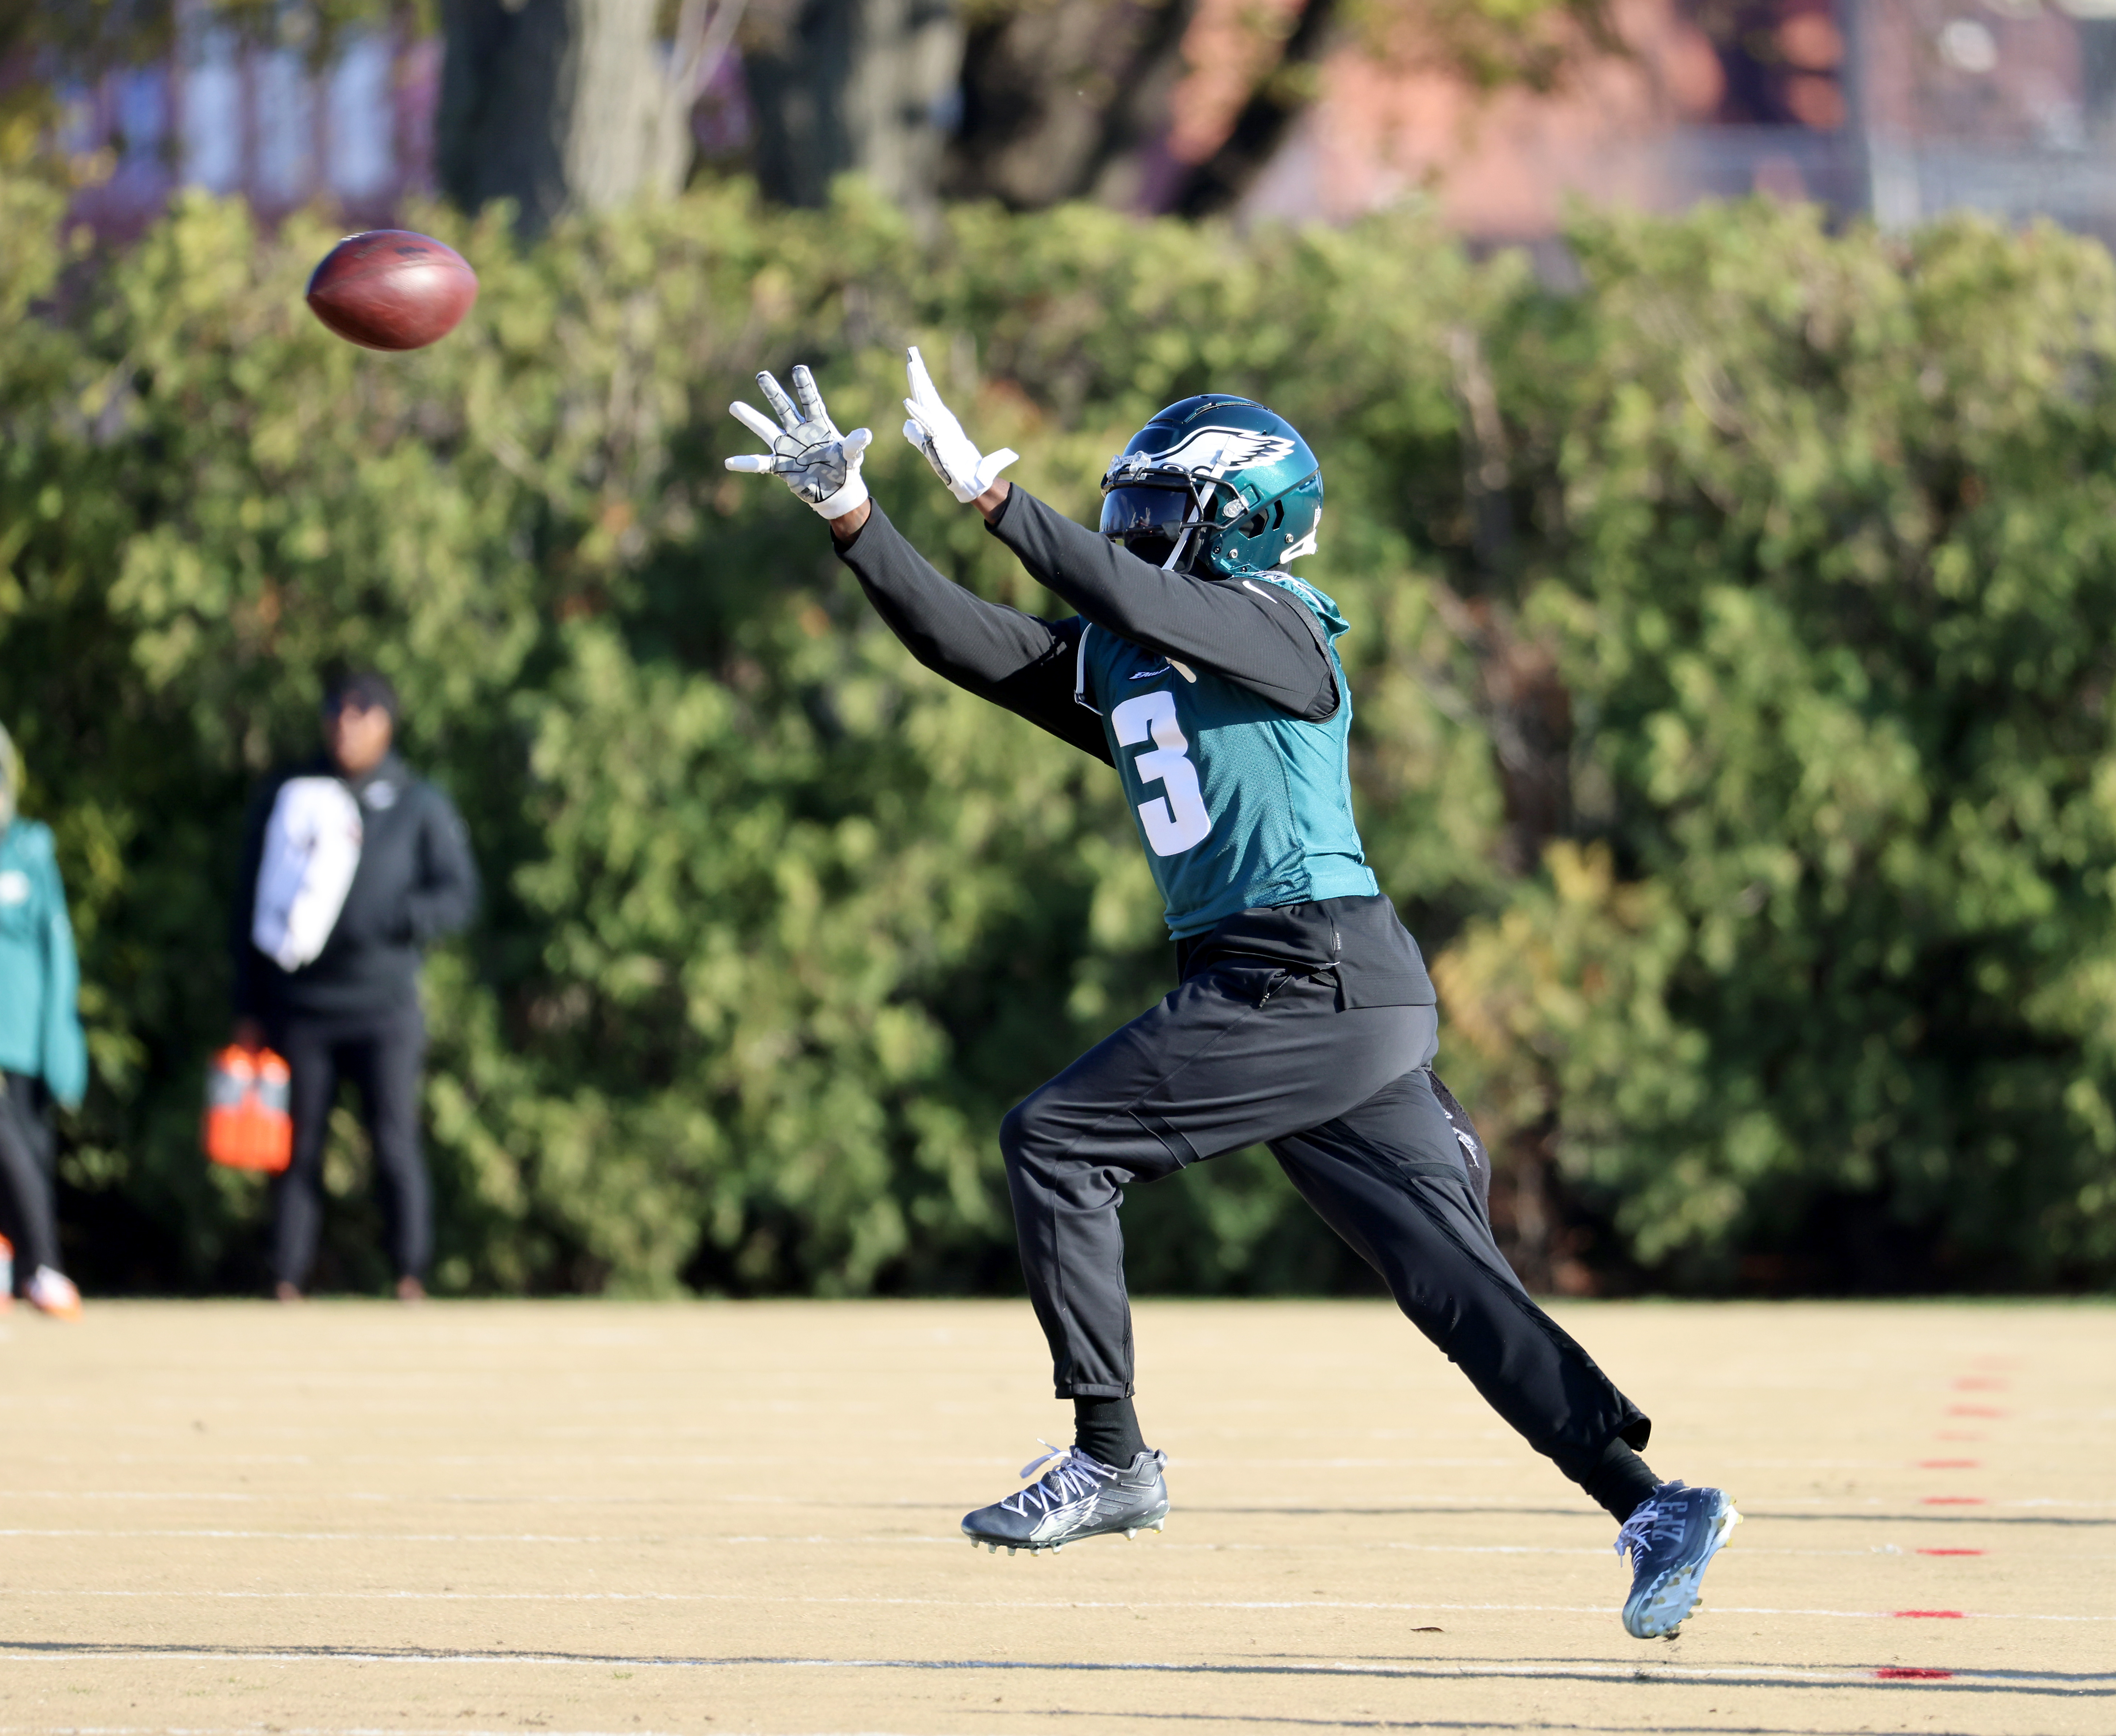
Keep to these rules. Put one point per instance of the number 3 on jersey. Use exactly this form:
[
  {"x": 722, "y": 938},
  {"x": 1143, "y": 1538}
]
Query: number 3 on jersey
[{"x": 1176, "y": 821}]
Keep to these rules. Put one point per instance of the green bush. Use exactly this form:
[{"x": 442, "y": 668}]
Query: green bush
[
  {"x": 1828, "y": 555},
  {"x": 1766, "y": 584}
]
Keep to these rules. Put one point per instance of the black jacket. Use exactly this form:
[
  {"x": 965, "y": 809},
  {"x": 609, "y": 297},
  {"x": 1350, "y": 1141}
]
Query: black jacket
[{"x": 416, "y": 880}]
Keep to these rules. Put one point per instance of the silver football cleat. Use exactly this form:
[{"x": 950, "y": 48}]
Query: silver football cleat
[{"x": 1074, "y": 1496}]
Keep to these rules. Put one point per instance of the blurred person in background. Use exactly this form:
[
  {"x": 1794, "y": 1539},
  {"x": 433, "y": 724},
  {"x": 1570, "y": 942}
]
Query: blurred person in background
[
  {"x": 42, "y": 1053},
  {"x": 352, "y": 864}
]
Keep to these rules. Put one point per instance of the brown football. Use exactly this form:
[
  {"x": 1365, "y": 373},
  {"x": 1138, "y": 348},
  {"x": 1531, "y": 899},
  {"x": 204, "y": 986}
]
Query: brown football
[{"x": 391, "y": 290}]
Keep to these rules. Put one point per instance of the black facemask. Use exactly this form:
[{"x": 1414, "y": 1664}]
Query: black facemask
[{"x": 1147, "y": 521}]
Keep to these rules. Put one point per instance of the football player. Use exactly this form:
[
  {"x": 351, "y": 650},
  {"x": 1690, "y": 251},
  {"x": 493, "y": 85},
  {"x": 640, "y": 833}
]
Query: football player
[{"x": 1208, "y": 677}]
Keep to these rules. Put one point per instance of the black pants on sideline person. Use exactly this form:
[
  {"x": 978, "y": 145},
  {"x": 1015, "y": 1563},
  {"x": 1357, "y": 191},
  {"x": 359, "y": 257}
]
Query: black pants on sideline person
[
  {"x": 26, "y": 1157},
  {"x": 383, "y": 1056},
  {"x": 1245, "y": 1053}
]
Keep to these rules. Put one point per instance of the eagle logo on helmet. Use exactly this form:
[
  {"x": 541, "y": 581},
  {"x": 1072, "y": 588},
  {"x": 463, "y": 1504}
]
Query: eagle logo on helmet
[{"x": 1206, "y": 452}]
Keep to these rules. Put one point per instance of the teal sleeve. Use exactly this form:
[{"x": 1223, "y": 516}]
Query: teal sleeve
[{"x": 64, "y": 1047}]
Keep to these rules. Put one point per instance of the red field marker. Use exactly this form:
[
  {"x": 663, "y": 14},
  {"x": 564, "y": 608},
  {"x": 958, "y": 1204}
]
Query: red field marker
[
  {"x": 1950, "y": 1552},
  {"x": 1979, "y": 1383},
  {"x": 1974, "y": 1410},
  {"x": 1929, "y": 1615},
  {"x": 1956, "y": 1501},
  {"x": 1894, "y": 1673},
  {"x": 1948, "y": 1464}
]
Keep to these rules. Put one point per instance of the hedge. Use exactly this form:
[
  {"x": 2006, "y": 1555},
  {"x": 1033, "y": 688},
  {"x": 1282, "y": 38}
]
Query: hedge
[{"x": 1732, "y": 651}]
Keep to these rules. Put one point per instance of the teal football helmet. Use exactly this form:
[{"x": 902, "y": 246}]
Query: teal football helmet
[{"x": 1217, "y": 486}]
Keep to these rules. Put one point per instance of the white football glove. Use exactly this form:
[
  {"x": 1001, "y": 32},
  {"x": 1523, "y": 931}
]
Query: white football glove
[
  {"x": 934, "y": 430},
  {"x": 808, "y": 452}
]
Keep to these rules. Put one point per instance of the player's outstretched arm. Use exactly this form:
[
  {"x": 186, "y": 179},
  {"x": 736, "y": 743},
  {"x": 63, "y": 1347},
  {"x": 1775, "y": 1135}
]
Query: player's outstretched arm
[
  {"x": 1002, "y": 655},
  {"x": 1253, "y": 635},
  {"x": 1012, "y": 659}
]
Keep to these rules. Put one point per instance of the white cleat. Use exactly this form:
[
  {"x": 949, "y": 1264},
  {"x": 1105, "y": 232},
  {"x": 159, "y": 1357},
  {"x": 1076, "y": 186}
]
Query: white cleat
[{"x": 53, "y": 1292}]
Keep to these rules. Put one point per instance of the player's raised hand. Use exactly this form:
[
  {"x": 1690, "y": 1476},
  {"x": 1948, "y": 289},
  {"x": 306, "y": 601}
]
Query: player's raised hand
[
  {"x": 808, "y": 452},
  {"x": 934, "y": 431}
]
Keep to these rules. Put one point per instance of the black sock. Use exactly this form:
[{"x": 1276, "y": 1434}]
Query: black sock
[
  {"x": 1107, "y": 1429},
  {"x": 1620, "y": 1482}
]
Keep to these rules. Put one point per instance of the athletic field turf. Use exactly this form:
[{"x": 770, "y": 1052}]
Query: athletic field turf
[{"x": 355, "y": 1516}]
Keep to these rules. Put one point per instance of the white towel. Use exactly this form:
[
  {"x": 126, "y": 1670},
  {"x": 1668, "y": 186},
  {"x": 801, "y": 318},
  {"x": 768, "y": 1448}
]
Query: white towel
[{"x": 312, "y": 848}]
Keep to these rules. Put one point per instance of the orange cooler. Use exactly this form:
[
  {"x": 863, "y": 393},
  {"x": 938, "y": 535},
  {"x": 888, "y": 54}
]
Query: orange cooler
[{"x": 247, "y": 1125}]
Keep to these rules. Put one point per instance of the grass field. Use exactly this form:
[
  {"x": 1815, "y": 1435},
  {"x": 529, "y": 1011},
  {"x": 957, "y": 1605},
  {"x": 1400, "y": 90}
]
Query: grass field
[{"x": 624, "y": 1518}]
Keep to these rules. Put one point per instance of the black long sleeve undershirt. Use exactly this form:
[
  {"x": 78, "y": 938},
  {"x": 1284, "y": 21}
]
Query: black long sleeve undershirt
[
  {"x": 1256, "y": 639},
  {"x": 1254, "y": 635},
  {"x": 998, "y": 653}
]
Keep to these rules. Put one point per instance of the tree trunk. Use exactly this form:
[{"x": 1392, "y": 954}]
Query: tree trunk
[
  {"x": 1261, "y": 125},
  {"x": 558, "y": 105},
  {"x": 841, "y": 86},
  {"x": 1066, "y": 100}
]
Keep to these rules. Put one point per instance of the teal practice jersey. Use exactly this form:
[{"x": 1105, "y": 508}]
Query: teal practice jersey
[{"x": 1238, "y": 804}]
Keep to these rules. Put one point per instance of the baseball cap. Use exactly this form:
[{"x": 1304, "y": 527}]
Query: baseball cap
[{"x": 365, "y": 688}]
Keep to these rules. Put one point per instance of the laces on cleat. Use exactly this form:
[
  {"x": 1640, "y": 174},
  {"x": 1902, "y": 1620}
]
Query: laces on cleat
[
  {"x": 1062, "y": 1474},
  {"x": 1636, "y": 1533}
]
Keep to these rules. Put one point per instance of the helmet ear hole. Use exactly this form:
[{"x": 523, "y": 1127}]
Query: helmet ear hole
[{"x": 1262, "y": 520}]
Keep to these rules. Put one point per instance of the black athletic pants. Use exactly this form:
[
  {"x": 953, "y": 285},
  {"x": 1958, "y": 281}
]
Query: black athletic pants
[
  {"x": 1245, "y": 1053},
  {"x": 26, "y": 1176},
  {"x": 382, "y": 1057}
]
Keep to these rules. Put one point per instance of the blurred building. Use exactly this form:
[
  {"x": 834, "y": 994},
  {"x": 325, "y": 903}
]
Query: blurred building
[
  {"x": 280, "y": 125},
  {"x": 1902, "y": 109}
]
